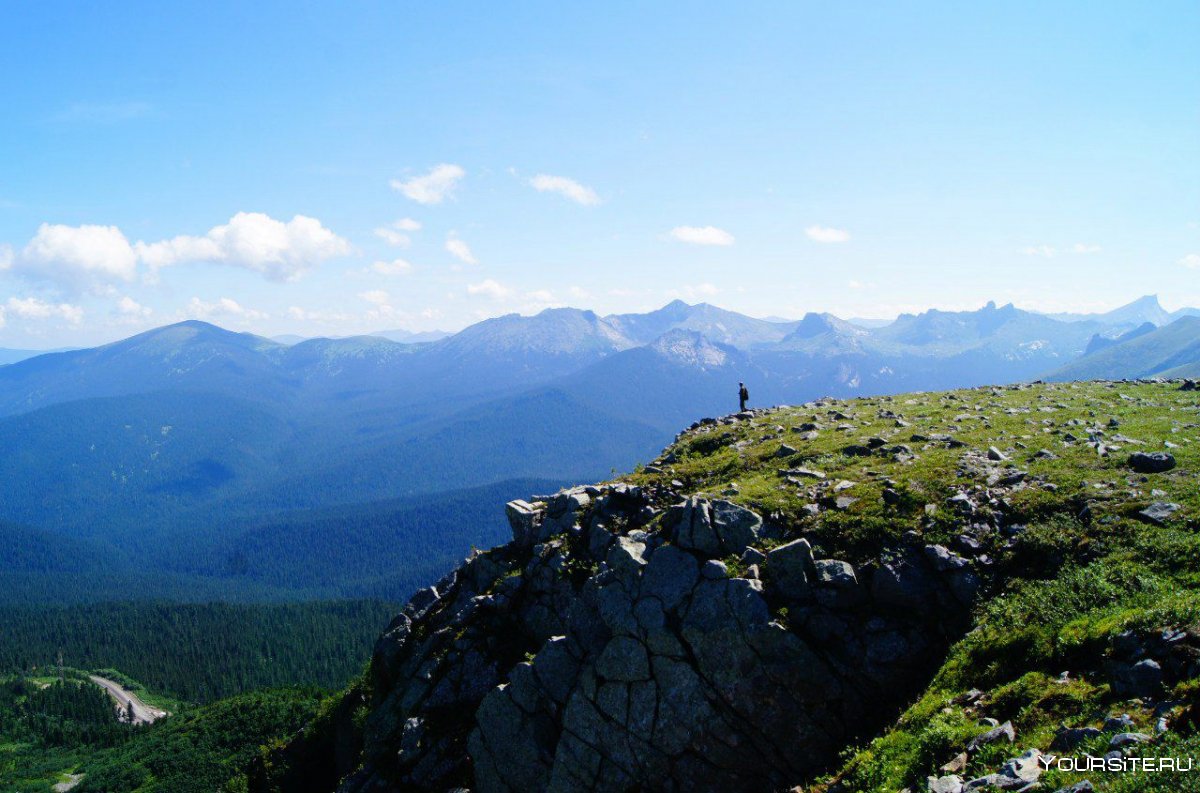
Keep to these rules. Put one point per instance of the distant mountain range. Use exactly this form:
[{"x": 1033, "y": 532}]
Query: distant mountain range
[{"x": 187, "y": 446}]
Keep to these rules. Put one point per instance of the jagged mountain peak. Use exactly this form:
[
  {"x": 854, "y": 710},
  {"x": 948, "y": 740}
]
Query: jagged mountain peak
[{"x": 691, "y": 348}]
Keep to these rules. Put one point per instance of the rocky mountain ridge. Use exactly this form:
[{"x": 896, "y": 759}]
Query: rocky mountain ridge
[{"x": 780, "y": 586}]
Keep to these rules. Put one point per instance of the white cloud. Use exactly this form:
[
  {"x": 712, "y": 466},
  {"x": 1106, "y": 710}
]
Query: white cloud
[
  {"x": 6, "y": 256},
  {"x": 702, "y": 235},
  {"x": 580, "y": 194},
  {"x": 826, "y": 234},
  {"x": 397, "y": 233},
  {"x": 225, "y": 307},
  {"x": 1046, "y": 251},
  {"x": 1083, "y": 248},
  {"x": 298, "y": 313},
  {"x": 432, "y": 188},
  {"x": 394, "y": 267},
  {"x": 460, "y": 250},
  {"x": 578, "y": 292},
  {"x": 77, "y": 257},
  {"x": 541, "y": 296},
  {"x": 1192, "y": 260},
  {"x": 33, "y": 308},
  {"x": 376, "y": 296},
  {"x": 128, "y": 307},
  {"x": 694, "y": 291},
  {"x": 489, "y": 288},
  {"x": 279, "y": 251}
]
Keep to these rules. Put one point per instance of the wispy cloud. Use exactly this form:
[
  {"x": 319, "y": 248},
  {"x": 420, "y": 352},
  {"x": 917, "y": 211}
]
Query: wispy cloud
[
  {"x": 460, "y": 250},
  {"x": 1192, "y": 260},
  {"x": 394, "y": 267},
  {"x": 432, "y": 188},
  {"x": 701, "y": 235},
  {"x": 1085, "y": 248},
  {"x": 825, "y": 234},
  {"x": 490, "y": 288},
  {"x": 694, "y": 292},
  {"x": 580, "y": 194},
  {"x": 1045, "y": 251},
  {"x": 224, "y": 307},
  {"x": 376, "y": 297},
  {"x": 397, "y": 233},
  {"x": 103, "y": 112}
]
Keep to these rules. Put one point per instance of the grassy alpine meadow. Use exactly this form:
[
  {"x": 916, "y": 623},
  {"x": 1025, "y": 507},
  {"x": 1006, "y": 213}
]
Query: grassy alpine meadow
[{"x": 1093, "y": 560}]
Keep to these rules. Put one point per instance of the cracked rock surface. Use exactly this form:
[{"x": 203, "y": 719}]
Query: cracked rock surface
[{"x": 608, "y": 647}]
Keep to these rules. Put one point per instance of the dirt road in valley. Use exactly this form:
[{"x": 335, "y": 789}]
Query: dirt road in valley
[{"x": 142, "y": 713}]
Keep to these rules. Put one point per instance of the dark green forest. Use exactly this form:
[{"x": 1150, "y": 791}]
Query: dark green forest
[
  {"x": 385, "y": 549},
  {"x": 52, "y": 728},
  {"x": 199, "y": 652}
]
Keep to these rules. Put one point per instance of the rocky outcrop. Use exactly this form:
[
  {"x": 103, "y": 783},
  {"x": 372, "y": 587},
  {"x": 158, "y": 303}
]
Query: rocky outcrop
[{"x": 631, "y": 638}]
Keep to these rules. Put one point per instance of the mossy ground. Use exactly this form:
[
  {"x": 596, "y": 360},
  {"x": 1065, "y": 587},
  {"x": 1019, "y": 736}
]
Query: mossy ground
[{"x": 1084, "y": 568}]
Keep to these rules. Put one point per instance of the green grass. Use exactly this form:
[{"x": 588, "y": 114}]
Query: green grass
[{"x": 1070, "y": 582}]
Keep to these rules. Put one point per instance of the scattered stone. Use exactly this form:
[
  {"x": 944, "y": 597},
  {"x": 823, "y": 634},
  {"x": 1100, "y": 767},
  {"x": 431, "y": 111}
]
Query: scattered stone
[
  {"x": 951, "y": 783},
  {"x": 943, "y": 560},
  {"x": 804, "y": 473},
  {"x": 1151, "y": 462},
  {"x": 996, "y": 455},
  {"x": 1067, "y": 738},
  {"x": 1142, "y": 679},
  {"x": 1122, "y": 723},
  {"x": 1123, "y": 739},
  {"x": 1159, "y": 512},
  {"x": 1001, "y": 732}
]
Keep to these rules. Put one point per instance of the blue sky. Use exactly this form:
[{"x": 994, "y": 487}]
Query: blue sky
[{"x": 339, "y": 168}]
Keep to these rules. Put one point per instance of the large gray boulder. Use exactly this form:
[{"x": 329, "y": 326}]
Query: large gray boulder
[{"x": 712, "y": 528}]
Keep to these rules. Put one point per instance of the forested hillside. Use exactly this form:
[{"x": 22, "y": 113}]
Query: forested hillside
[{"x": 198, "y": 652}]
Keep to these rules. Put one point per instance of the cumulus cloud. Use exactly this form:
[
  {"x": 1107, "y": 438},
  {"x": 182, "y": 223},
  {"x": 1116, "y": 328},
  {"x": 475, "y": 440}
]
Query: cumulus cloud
[
  {"x": 569, "y": 188},
  {"x": 432, "y": 188},
  {"x": 376, "y": 296},
  {"x": 33, "y": 308},
  {"x": 77, "y": 257},
  {"x": 702, "y": 235},
  {"x": 826, "y": 234},
  {"x": 279, "y": 251},
  {"x": 225, "y": 307},
  {"x": 397, "y": 233},
  {"x": 394, "y": 267},
  {"x": 490, "y": 288},
  {"x": 130, "y": 308},
  {"x": 93, "y": 257},
  {"x": 460, "y": 250},
  {"x": 1192, "y": 260}
]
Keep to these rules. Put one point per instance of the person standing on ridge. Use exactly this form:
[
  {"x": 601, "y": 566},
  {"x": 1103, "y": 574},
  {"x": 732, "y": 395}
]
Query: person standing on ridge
[{"x": 743, "y": 395}]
